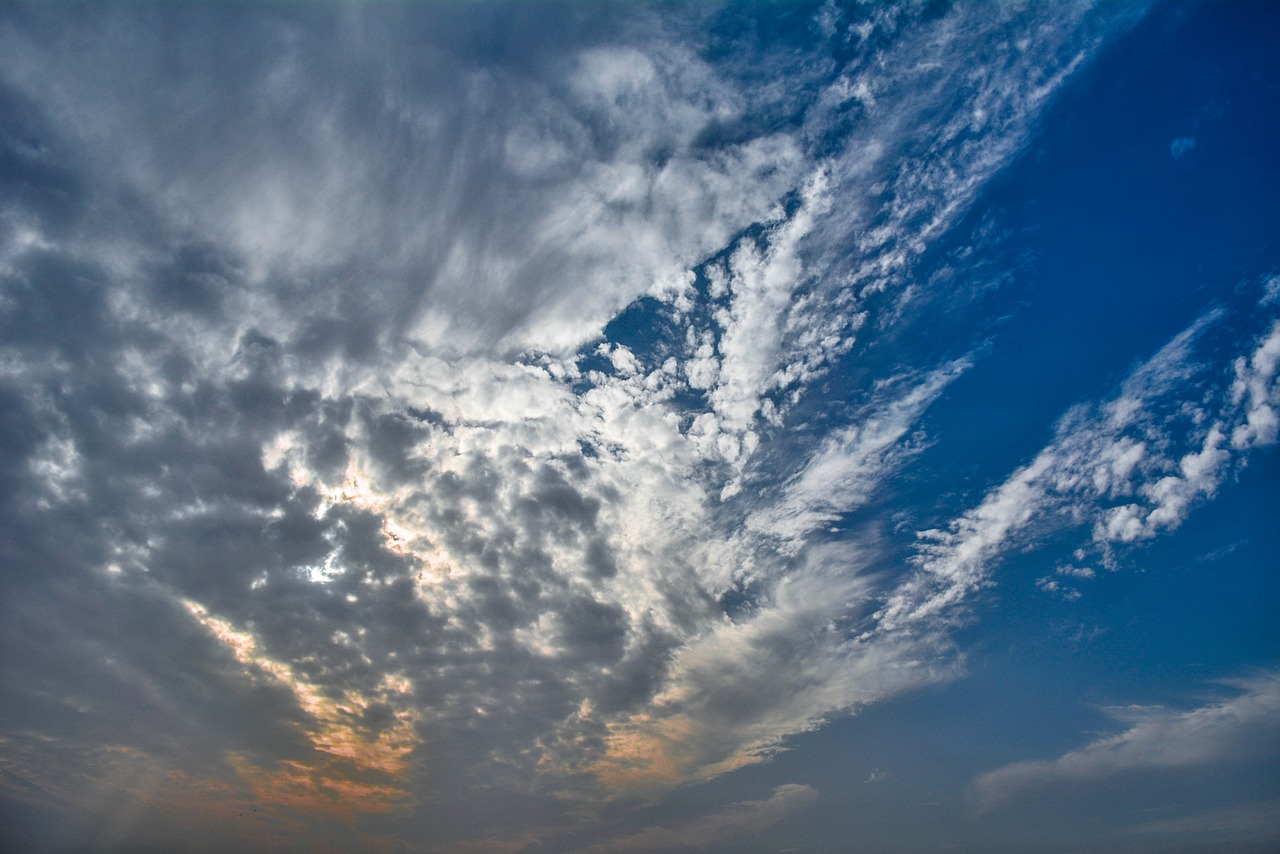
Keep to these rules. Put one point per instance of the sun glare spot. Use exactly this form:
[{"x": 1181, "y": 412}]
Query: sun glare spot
[{"x": 325, "y": 572}]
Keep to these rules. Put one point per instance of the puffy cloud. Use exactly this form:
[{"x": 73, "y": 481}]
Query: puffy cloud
[{"x": 1256, "y": 389}]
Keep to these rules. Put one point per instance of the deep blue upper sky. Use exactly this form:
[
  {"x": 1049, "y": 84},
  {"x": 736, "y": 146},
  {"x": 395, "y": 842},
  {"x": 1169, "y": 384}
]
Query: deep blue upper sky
[{"x": 590, "y": 427}]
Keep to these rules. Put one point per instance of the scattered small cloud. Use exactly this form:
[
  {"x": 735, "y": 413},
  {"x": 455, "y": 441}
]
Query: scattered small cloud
[
  {"x": 1057, "y": 588},
  {"x": 1182, "y": 146},
  {"x": 1224, "y": 551}
]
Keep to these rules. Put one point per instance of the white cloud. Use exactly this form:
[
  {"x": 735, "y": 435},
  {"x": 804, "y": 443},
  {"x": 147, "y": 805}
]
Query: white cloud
[
  {"x": 484, "y": 207},
  {"x": 1256, "y": 388},
  {"x": 1170, "y": 498},
  {"x": 1244, "y": 726},
  {"x": 761, "y": 290},
  {"x": 1112, "y": 466},
  {"x": 849, "y": 464}
]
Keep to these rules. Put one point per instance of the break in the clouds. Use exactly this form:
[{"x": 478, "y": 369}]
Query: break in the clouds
[{"x": 522, "y": 427}]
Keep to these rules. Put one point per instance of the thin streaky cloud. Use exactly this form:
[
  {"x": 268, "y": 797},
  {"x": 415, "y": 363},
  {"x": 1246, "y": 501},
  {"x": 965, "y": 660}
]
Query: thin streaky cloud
[{"x": 1155, "y": 738}]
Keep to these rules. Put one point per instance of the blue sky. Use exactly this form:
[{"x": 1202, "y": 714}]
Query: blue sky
[{"x": 607, "y": 427}]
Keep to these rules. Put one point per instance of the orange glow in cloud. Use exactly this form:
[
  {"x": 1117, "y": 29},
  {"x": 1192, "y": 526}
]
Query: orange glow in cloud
[
  {"x": 325, "y": 789},
  {"x": 339, "y": 784},
  {"x": 115, "y": 792},
  {"x": 645, "y": 754}
]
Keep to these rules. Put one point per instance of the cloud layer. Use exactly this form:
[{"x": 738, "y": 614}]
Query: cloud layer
[{"x": 399, "y": 423}]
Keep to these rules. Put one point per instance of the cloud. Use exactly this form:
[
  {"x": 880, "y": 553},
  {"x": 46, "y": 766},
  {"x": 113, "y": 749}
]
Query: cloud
[
  {"x": 1181, "y": 147},
  {"x": 1155, "y": 738},
  {"x": 734, "y": 694},
  {"x": 1255, "y": 388},
  {"x": 335, "y": 478},
  {"x": 841, "y": 474},
  {"x": 1114, "y": 466},
  {"x": 713, "y": 832},
  {"x": 1256, "y": 820},
  {"x": 365, "y": 141}
]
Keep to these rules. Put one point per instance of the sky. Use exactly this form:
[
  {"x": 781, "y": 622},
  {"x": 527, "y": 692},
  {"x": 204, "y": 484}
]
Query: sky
[{"x": 639, "y": 427}]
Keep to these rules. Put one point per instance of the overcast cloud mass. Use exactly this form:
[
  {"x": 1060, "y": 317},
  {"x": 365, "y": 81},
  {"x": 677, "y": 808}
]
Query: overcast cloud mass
[{"x": 532, "y": 427}]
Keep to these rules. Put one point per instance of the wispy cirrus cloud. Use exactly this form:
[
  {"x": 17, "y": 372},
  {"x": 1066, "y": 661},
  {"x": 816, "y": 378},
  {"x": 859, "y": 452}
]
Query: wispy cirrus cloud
[
  {"x": 1130, "y": 468},
  {"x": 718, "y": 829},
  {"x": 1154, "y": 738},
  {"x": 842, "y": 472},
  {"x": 1243, "y": 824}
]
